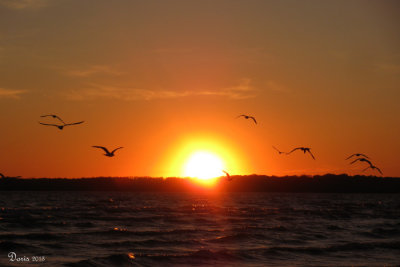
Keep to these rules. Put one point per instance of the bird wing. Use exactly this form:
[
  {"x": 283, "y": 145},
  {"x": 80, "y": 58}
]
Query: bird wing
[
  {"x": 366, "y": 168},
  {"x": 379, "y": 170},
  {"x": 354, "y": 161},
  {"x": 54, "y": 116},
  {"x": 112, "y": 152},
  {"x": 254, "y": 119},
  {"x": 102, "y": 147},
  {"x": 369, "y": 162},
  {"x": 241, "y": 116},
  {"x": 67, "y": 124},
  {"x": 228, "y": 177},
  {"x": 350, "y": 156},
  {"x": 363, "y": 155},
  {"x": 311, "y": 154},
  {"x": 293, "y": 150},
  {"x": 277, "y": 150},
  {"x": 48, "y": 124}
]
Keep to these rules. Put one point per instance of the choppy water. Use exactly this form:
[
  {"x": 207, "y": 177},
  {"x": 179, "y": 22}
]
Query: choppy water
[{"x": 172, "y": 229}]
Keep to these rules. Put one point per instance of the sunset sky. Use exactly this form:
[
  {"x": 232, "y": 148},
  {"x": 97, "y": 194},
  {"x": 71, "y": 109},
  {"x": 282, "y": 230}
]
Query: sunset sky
[{"x": 166, "y": 79}]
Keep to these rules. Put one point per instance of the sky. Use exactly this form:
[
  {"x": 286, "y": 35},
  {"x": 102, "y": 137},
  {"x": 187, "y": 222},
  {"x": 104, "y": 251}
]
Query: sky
[{"x": 166, "y": 79}]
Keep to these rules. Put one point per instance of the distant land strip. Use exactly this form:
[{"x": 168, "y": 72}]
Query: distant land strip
[{"x": 329, "y": 183}]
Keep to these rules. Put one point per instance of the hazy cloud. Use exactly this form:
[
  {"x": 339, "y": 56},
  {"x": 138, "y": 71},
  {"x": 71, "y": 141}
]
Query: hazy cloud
[
  {"x": 7, "y": 93},
  {"x": 93, "y": 70},
  {"x": 23, "y": 4},
  {"x": 389, "y": 68},
  {"x": 277, "y": 87},
  {"x": 241, "y": 91},
  {"x": 174, "y": 50},
  {"x": 102, "y": 91}
]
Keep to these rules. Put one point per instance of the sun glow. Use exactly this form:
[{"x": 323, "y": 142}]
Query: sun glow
[
  {"x": 203, "y": 157},
  {"x": 204, "y": 166}
]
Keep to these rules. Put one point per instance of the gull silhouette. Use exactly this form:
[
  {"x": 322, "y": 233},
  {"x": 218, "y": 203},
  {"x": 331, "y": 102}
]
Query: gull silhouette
[
  {"x": 108, "y": 153},
  {"x": 280, "y": 152},
  {"x": 58, "y": 125},
  {"x": 304, "y": 149},
  {"x": 362, "y": 159},
  {"x": 228, "y": 177},
  {"x": 373, "y": 167},
  {"x": 358, "y": 155},
  {"x": 248, "y": 117},
  {"x": 61, "y": 126}
]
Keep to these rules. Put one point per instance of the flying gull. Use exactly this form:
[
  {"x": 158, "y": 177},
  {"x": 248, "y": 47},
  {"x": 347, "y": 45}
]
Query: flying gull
[
  {"x": 373, "y": 167},
  {"x": 248, "y": 117},
  {"x": 304, "y": 149},
  {"x": 108, "y": 153},
  {"x": 61, "y": 126},
  {"x": 358, "y": 155},
  {"x": 362, "y": 159},
  {"x": 228, "y": 177}
]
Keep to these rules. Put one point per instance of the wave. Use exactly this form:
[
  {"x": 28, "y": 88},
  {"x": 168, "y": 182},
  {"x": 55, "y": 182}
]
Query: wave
[
  {"x": 233, "y": 238},
  {"x": 385, "y": 232},
  {"x": 85, "y": 224},
  {"x": 172, "y": 232},
  {"x": 33, "y": 236},
  {"x": 349, "y": 247},
  {"x": 112, "y": 260},
  {"x": 194, "y": 258},
  {"x": 151, "y": 243},
  {"x": 13, "y": 246}
]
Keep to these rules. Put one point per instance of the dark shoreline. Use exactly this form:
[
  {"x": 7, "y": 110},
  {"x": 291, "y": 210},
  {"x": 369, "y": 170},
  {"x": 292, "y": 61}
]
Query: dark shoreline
[{"x": 328, "y": 183}]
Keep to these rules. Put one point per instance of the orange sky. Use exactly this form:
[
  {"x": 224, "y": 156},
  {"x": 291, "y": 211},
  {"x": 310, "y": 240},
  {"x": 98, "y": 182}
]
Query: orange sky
[{"x": 163, "y": 78}]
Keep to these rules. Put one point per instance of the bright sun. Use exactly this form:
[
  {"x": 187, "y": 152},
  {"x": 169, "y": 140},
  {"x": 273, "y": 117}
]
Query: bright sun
[{"x": 203, "y": 165}]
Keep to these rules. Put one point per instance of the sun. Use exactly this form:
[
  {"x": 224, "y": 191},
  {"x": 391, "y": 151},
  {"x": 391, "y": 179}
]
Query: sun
[
  {"x": 203, "y": 157},
  {"x": 203, "y": 165}
]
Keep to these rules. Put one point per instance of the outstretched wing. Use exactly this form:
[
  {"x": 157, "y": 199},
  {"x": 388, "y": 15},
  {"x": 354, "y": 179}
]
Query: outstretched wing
[
  {"x": 354, "y": 161},
  {"x": 254, "y": 119},
  {"x": 379, "y": 170},
  {"x": 293, "y": 150},
  {"x": 366, "y": 168},
  {"x": 350, "y": 156},
  {"x": 280, "y": 152},
  {"x": 242, "y": 115},
  {"x": 228, "y": 177},
  {"x": 363, "y": 155},
  {"x": 75, "y": 123},
  {"x": 48, "y": 124},
  {"x": 53, "y": 116},
  {"x": 112, "y": 152},
  {"x": 309, "y": 151},
  {"x": 102, "y": 147},
  {"x": 369, "y": 162}
]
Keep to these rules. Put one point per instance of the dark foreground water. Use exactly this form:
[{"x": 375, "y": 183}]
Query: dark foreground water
[{"x": 168, "y": 229}]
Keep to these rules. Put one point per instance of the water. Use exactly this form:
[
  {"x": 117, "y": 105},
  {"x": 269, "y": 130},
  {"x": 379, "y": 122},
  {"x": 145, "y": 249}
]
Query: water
[{"x": 175, "y": 229}]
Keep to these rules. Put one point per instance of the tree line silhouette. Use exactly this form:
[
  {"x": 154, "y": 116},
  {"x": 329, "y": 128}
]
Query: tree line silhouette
[{"x": 328, "y": 183}]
